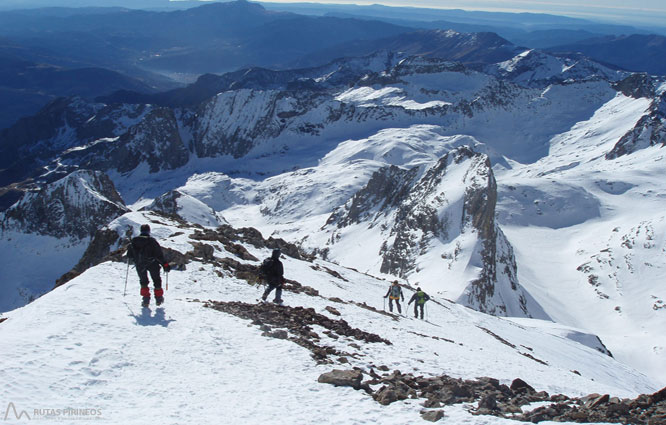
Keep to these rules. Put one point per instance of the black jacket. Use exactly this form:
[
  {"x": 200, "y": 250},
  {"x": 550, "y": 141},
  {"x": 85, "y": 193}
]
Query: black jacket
[
  {"x": 273, "y": 270},
  {"x": 145, "y": 252}
]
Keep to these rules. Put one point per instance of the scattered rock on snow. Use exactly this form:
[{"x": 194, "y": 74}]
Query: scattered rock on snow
[
  {"x": 499, "y": 400},
  {"x": 519, "y": 386},
  {"x": 298, "y": 321},
  {"x": 332, "y": 310},
  {"x": 432, "y": 415},
  {"x": 342, "y": 378}
]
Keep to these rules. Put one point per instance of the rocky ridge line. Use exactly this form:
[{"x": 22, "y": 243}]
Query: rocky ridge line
[{"x": 501, "y": 400}]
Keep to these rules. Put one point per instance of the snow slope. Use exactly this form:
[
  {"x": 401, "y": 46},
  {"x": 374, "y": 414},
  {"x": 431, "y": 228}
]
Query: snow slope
[
  {"x": 85, "y": 346},
  {"x": 590, "y": 237},
  {"x": 32, "y": 263}
]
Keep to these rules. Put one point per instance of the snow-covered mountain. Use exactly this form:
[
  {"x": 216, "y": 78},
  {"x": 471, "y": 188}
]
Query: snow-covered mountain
[
  {"x": 45, "y": 233},
  {"x": 216, "y": 353},
  {"x": 522, "y": 189}
]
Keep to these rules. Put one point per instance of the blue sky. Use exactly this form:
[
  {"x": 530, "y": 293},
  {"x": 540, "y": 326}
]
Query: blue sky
[{"x": 620, "y": 11}]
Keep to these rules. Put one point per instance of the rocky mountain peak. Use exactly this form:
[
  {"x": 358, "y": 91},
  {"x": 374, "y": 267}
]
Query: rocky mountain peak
[
  {"x": 448, "y": 206},
  {"x": 73, "y": 207},
  {"x": 637, "y": 85}
]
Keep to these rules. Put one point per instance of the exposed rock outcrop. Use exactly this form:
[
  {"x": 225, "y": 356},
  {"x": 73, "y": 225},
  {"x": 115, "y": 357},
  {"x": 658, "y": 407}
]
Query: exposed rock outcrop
[{"x": 650, "y": 130}]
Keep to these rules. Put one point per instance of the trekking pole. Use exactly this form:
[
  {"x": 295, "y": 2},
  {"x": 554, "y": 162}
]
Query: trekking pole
[
  {"x": 384, "y": 303},
  {"x": 126, "y": 276},
  {"x": 167, "y": 281}
]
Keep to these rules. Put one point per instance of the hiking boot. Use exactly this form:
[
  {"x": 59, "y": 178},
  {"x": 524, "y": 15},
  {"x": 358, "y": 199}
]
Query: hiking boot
[
  {"x": 145, "y": 302},
  {"x": 159, "y": 300},
  {"x": 279, "y": 302}
]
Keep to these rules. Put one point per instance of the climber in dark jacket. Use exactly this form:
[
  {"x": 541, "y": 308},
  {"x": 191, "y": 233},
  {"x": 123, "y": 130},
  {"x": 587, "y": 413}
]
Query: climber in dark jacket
[
  {"x": 147, "y": 256},
  {"x": 273, "y": 271},
  {"x": 420, "y": 297},
  {"x": 394, "y": 293}
]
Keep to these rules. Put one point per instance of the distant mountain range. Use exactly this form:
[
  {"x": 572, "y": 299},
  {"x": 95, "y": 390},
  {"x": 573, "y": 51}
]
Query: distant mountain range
[
  {"x": 133, "y": 4},
  {"x": 483, "y": 48},
  {"x": 631, "y": 52},
  {"x": 25, "y": 87},
  {"x": 520, "y": 28},
  {"x": 95, "y": 51},
  {"x": 40, "y": 50}
]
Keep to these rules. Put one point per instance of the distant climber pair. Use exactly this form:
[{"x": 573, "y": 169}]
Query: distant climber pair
[{"x": 419, "y": 298}]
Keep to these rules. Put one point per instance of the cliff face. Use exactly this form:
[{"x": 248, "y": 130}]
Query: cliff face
[
  {"x": 650, "y": 130},
  {"x": 419, "y": 212},
  {"x": 73, "y": 207},
  {"x": 64, "y": 126},
  {"x": 155, "y": 140}
]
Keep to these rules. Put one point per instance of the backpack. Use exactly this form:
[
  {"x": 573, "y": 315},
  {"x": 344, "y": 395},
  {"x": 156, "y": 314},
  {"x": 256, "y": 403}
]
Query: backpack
[
  {"x": 267, "y": 268},
  {"x": 139, "y": 250},
  {"x": 395, "y": 292}
]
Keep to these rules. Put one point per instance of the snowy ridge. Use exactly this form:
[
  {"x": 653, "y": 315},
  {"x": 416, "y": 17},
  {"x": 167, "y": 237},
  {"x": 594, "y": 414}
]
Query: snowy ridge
[
  {"x": 534, "y": 68},
  {"x": 200, "y": 355},
  {"x": 650, "y": 130}
]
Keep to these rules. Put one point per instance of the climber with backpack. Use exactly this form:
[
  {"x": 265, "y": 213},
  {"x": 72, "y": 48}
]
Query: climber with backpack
[
  {"x": 394, "y": 293},
  {"x": 420, "y": 299},
  {"x": 147, "y": 256},
  {"x": 272, "y": 271}
]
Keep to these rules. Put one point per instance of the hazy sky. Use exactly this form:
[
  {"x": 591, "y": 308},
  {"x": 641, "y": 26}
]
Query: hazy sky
[{"x": 622, "y": 11}]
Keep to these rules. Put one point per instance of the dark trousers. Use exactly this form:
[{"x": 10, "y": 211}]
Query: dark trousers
[
  {"x": 397, "y": 304},
  {"x": 416, "y": 311},
  {"x": 154, "y": 270},
  {"x": 278, "y": 292}
]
